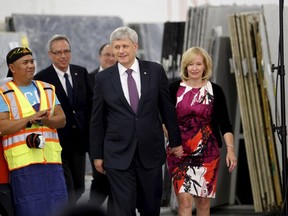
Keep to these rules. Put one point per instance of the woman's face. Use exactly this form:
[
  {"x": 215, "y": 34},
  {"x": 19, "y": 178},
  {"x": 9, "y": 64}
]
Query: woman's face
[{"x": 196, "y": 68}]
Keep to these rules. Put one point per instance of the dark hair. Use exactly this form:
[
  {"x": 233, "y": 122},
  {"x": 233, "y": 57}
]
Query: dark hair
[{"x": 102, "y": 47}]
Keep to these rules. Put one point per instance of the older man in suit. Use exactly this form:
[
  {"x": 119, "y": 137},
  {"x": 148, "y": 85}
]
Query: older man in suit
[
  {"x": 106, "y": 59},
  {"x": 75, "y": 95},
  {"x": 126, "y": 136},
  {"x": 100, "y": 189}
]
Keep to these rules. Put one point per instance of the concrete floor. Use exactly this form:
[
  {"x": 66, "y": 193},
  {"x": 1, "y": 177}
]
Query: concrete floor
[
  {"x": 242, "y": 210},
  {"x": 236, "y": 210}
]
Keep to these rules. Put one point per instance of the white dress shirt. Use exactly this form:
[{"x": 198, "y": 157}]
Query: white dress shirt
[
  {"x": 62, "y": 78},
  {"x": 135, "y": 75}
]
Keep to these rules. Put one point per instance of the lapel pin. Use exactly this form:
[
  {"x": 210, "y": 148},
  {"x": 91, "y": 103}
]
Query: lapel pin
[{"x": 145, "y": 73}]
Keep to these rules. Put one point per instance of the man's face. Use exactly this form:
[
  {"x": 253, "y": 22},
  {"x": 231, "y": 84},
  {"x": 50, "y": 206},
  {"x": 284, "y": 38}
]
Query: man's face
[
  {"x": 23, "y": 69},
  {"x": 107, "y": 58},
  {"x": 60, "y": 54},
  {"x": 125, "y": 51}
]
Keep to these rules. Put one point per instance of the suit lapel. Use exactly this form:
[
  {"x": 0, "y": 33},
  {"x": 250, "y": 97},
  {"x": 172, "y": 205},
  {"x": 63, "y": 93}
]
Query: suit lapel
[
  {"x": 56, "y": 80},
  {"x": 144, "y": 78},
  {"x": 116, "y": 83},
  {"x": 59, "y": 87},
  {"x": 74, "y": 76}
]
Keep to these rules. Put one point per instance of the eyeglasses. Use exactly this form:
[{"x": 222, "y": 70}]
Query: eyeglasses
[
  {"x": 19, "y": 50},
  {"x": 59, "y": 53}
]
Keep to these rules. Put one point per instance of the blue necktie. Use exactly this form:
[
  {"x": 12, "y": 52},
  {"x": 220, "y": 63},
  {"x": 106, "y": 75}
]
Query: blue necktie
[
  {"x": 132, "y": 88},
  {"x": 69, "y": 88}
]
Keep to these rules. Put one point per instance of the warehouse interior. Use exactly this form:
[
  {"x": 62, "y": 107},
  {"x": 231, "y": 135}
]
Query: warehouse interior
[{"x": 218, "y": 27}]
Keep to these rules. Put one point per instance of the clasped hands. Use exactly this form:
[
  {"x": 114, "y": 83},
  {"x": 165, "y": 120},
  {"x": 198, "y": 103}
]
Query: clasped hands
[{"x": 39, "y": 117}]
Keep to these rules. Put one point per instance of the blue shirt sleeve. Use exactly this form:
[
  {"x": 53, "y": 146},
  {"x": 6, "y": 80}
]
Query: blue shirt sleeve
[{"x": 3, "y": 105}]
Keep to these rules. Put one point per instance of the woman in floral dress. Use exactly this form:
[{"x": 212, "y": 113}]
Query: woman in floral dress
[{"x": 202, "y": 114}]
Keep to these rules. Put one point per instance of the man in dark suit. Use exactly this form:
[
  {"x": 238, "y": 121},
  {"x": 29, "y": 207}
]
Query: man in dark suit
[
  {"x": 106, "y": 59},
  {"x": 75, "y": 95},
  {"x": 100, "y": 189},
  {"x": 126, "y": 136}
]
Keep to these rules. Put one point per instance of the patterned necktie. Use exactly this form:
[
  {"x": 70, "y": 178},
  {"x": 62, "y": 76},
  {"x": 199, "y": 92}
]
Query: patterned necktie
[
  {"x": 69, "y": 88},
  {"x": 132, "y": 88}
]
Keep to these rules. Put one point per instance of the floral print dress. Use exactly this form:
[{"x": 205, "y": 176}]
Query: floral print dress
[{"x": 196, "y": 171}]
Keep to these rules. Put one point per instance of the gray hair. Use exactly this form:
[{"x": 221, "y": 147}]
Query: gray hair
[
  {"x": 57, "y": 37},
  {"x": 124, "y": 33}
]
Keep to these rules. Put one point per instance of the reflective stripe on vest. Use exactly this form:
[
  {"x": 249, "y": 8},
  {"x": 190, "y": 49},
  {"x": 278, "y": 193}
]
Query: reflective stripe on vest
[{"x": 17, "y": 153}]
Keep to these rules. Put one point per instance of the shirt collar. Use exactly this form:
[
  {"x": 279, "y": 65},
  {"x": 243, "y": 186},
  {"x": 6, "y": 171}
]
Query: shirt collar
[
  {"x": 100, "y": 68},
  {"x": 60, "y": 72},
  {"x": 134, "y": 67}
]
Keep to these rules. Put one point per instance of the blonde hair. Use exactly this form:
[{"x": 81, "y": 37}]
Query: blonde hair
[{"x": 189, "y": 55}]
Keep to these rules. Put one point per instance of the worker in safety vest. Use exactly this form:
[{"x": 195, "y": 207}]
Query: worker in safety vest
[{"x": 30, "y": 113}]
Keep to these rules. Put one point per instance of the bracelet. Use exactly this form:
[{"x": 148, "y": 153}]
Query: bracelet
[{"x": 229, "y": 145}]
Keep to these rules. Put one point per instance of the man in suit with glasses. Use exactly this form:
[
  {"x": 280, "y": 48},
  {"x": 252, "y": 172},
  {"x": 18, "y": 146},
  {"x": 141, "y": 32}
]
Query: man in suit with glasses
[{"x": 75, "y": 95}]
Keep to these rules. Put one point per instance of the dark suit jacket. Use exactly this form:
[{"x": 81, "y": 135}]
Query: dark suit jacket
[
  {"x": 92, "y": 77},
  {"x": 78, "y": 114},
  {"x": 116, "y": 130}
]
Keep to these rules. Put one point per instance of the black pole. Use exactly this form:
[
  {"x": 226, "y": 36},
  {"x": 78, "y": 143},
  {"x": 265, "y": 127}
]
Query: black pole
[
  {"x": 281, "y": 71},
  {"x": 281, "y": 130}
]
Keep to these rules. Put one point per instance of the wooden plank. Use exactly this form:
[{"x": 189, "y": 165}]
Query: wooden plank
[
  {"x": 250, "y": 112},
  {"x": 274, "y": 166},
  {"x": 233, "y": 21},
  {"x": 255, "y": 112},
  {"x": 261, "y": 145},
  {"x": 269, "y": 46}
]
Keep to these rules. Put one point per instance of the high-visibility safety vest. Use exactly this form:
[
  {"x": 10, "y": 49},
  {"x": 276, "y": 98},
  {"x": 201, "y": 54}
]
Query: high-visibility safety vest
[{"x": 16, "y": 152}]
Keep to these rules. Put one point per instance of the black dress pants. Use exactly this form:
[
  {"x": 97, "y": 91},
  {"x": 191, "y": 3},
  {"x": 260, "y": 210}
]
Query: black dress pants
[
  {"x": 74, "y": 165},
  {"x": 100, "y": 188},
  {"x": 136, "y": 187}
]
